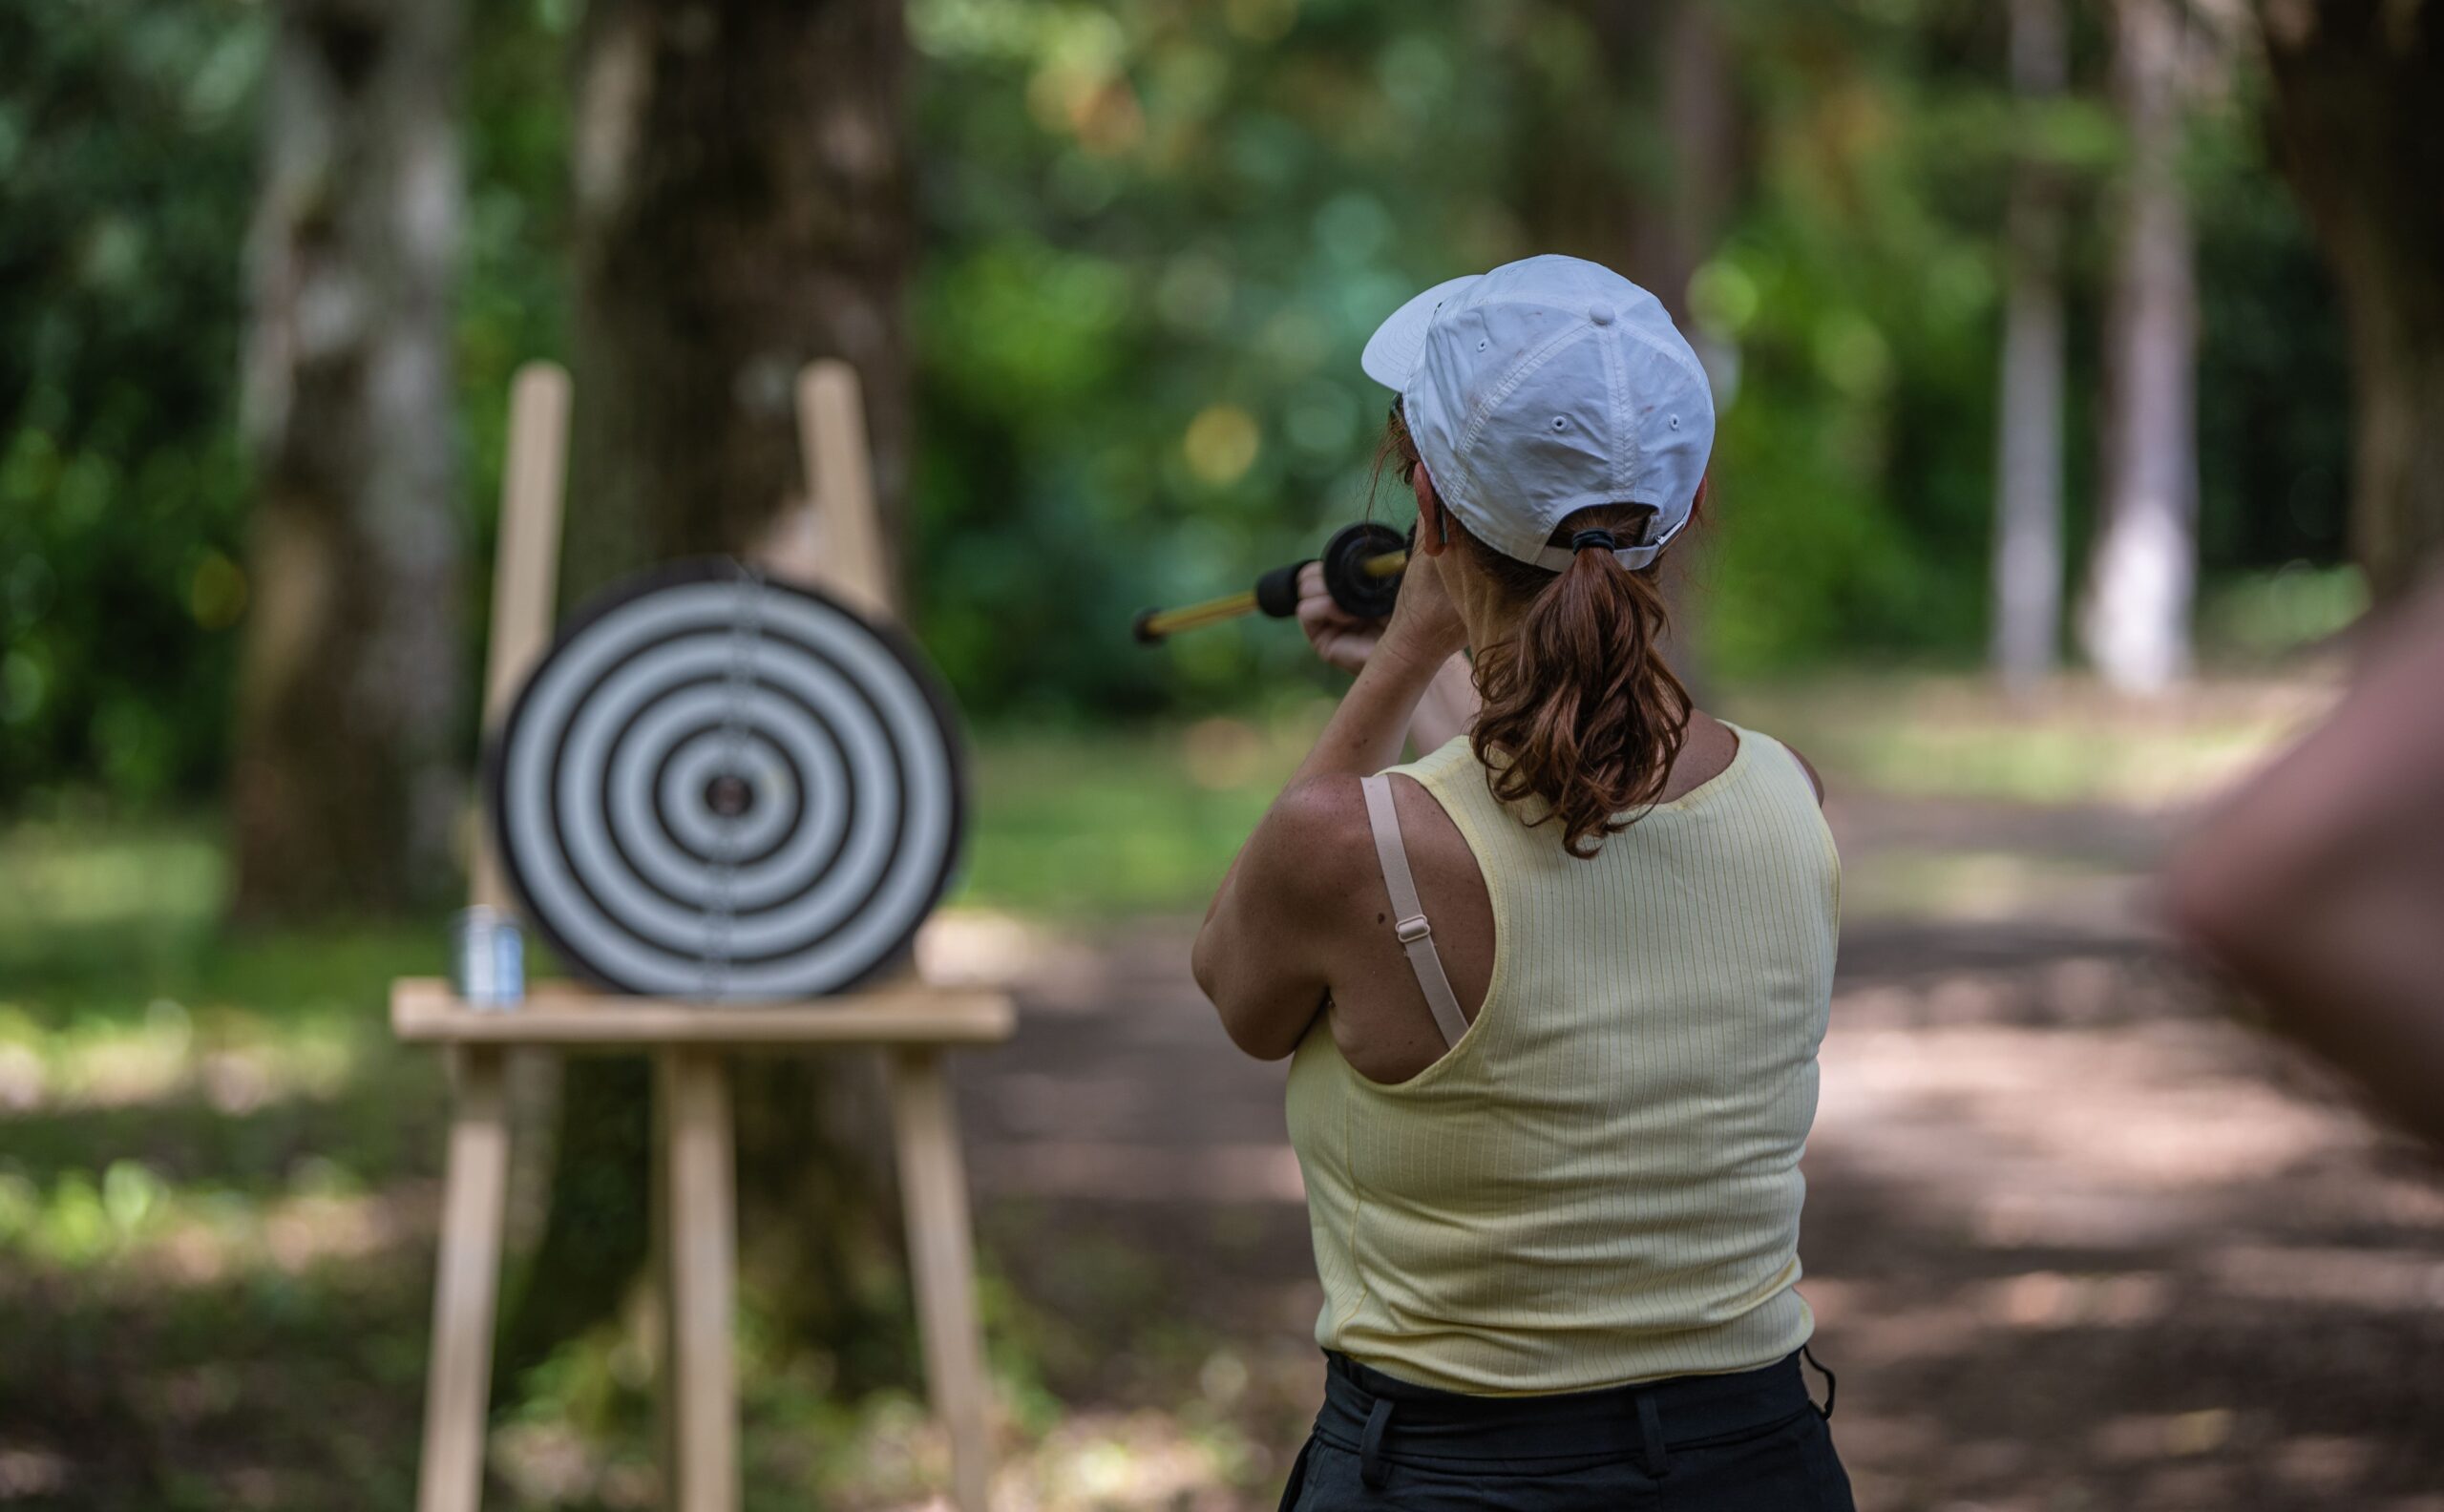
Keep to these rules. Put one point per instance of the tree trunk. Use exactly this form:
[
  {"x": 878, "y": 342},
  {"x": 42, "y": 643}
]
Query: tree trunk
[
  {"x": 1663, "y": 76},
  {"x": 2356, "y": 90},
  {"x": 1684, "y": 218},
  {"x": 1673, "y": 228},
  {"x": 742, "y": 210},
  {"x": 2028, "y": 473},
  {"x": 2144, "y": 570},
  {"x": 345, "y": 783}
]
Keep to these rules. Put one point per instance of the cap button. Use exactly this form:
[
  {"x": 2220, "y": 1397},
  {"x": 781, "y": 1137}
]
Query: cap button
[{"x": 1601, "y": 314}]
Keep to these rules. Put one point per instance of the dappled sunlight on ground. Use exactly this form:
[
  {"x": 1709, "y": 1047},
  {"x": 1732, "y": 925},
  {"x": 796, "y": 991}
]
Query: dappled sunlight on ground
[
  {"x": 2133, "y": 1261},
  {"x": 235, "y": 1068},
  {"x": 2074, "y": 1239},
  {"x": 988, "y": 947},
  {"x": 2077, "y": 1240}
]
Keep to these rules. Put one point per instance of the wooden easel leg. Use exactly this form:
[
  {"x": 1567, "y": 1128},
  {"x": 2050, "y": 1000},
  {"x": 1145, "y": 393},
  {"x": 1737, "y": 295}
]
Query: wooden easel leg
[
  {"x": 934, "y": 1187},
  {"x": 451, "y": 1478},
  {"x": 702, "y": 1249}
]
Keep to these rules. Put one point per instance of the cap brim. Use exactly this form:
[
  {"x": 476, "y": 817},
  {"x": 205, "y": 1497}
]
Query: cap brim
[{"x": 1391, "y": 353}]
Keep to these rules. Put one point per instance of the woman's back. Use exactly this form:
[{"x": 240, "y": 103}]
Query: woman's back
[
  {"x": 1599, "y": 1183},
  {"x": 1558, "y": 1241}
]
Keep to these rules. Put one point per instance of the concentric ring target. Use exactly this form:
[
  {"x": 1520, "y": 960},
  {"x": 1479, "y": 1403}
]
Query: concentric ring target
[{"x": 718, "y": 785}]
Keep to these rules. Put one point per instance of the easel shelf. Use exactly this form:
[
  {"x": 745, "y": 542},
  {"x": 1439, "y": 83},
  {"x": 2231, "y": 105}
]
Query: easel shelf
[{"x": 572, "y": 1016}]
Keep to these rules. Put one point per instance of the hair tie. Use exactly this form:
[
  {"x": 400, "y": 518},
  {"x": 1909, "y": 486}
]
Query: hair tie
[{"x": 1585, "y": 538}]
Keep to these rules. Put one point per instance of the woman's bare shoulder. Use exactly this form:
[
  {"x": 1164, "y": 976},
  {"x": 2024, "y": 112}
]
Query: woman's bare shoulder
[
  {"x": 1315, "y": 845},
  {"x": 1705, "y": 754}
]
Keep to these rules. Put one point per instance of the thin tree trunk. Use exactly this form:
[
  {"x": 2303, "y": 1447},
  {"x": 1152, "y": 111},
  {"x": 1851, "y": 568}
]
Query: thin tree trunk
[
  {"x": 1682, "y": 223},
  {"x": 2135, "y": 627},
  {"x": 345, "y": 781},
  {"x": 2028, "y": 473},
  {"x": 1664, "y": 76},
  {"x": 2359, "y": 117},
  {"x": 742, "y": 210}
]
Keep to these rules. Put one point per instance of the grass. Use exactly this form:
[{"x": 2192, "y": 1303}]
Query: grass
[
  {"x": 1076, "y": 826},
  {"x": 1145, "y": 821},
  {"x": 1141, "y": 821},
  {"x": 2070, "y": 743}
]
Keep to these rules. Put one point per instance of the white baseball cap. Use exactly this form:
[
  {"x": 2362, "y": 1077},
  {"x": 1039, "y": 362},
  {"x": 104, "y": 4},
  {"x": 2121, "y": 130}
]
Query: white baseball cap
[{"x": 1542, "y": 388}]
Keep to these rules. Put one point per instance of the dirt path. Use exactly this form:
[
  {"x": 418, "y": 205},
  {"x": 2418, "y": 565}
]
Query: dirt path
[{"x": 2074, "y": 1239}]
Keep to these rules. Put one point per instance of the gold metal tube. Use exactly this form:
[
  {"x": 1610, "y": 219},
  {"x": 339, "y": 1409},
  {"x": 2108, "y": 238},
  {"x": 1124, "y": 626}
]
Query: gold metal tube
[
  {"x": 1195, "y": 616},
  {"x": 1160, "y": 624}
]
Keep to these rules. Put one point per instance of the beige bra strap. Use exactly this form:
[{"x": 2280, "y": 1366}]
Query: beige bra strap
[{"x": 1408, "y": 916}]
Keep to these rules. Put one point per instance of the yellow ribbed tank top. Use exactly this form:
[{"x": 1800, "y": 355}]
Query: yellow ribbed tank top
[{"x": 1599, "y": 1184}]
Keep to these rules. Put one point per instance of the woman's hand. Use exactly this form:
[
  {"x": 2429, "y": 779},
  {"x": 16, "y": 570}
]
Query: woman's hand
[
  {"x": 1425, "y": 625},
  {"x": 1340, "y": 638}
]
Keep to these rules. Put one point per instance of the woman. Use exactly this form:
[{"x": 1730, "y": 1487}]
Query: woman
[{"x": 1556, "y": 989}]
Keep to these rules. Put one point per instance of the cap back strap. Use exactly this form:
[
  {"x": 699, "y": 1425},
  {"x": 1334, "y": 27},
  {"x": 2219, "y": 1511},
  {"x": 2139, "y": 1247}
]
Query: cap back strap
[
  {"x": 1559, "y": 557},
  {"x": 1408, "y": 914}
]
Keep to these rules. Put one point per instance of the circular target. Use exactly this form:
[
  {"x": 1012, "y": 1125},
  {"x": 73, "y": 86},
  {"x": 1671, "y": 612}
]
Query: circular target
[{"x": 718, "y": 785}]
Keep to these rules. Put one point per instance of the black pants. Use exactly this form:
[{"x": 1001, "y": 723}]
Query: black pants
[{"x": 1750, "y": 1442}]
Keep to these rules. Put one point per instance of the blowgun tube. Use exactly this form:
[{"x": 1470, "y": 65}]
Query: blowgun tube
[{"x": 1376, "y": 577}]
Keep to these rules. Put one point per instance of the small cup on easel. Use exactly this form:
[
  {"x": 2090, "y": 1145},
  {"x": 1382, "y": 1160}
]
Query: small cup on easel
[{"x": 487, "y": 958}]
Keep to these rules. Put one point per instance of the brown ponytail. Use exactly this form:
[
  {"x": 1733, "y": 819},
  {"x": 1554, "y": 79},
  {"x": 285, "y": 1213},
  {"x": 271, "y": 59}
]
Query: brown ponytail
[
  {"x": 1580, "y": 708},
  {"x": 1579, "y": 702}
]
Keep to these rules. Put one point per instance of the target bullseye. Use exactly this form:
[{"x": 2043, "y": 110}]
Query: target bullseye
[
  {"x": 721, "y": 787},
  {"x": 728, "y": 795}
]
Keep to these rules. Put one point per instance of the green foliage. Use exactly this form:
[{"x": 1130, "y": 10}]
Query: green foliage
[
  {"x": 1078, "y": 825},
  {"x": 2273, "y": 373},
  {"x": 2260, "y": 617},
  {"x": 1156, "y": 226},
  {"x": 1154, "y": 237},
  {"x": 126, "y": 139},
  {"x": 1159, "y": 235},
  {"x": 1855, "y": 304},
  {"x": 513, "y": 298}
]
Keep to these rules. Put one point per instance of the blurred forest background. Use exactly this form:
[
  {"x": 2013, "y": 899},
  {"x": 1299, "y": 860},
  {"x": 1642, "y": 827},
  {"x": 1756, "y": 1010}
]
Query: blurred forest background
[
  {"x": 2080, "y": 365},
  {"x": 1146, "y": 240}
]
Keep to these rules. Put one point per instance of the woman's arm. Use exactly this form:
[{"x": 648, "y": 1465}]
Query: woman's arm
[
  {"x": 1449, "y": 706},
  {"x": 1261, "y": 954},
  {"x": 2320, "y": 882},
  {"x": 1306, "y": 877}
]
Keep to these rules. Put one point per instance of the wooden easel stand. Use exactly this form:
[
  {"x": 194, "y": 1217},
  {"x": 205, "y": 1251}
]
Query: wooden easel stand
[{"x": 695, "y": 1160}]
